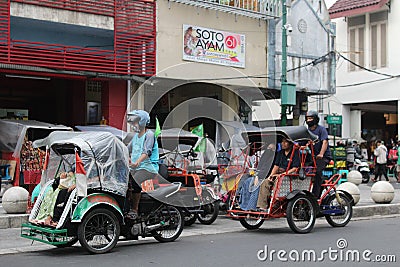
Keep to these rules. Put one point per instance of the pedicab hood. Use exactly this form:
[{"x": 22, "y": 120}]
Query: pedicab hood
[
  {"x": 292, "y": 133},
  {"x": 104, "y": 157}
]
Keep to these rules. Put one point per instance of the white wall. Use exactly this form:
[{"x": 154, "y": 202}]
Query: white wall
[{"x": 61, "y": 16}]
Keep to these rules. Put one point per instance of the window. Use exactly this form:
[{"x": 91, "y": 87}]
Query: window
[
  {"x": 356, "y": 29},
  {"x": 377, "y": 39},
  {"x": 378, "y": 28}
]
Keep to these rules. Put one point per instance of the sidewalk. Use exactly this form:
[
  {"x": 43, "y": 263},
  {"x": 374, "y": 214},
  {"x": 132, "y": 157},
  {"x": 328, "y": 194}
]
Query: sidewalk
[
  {"x": 11, "y": 242},
  {"x": 366, "y": 207}
]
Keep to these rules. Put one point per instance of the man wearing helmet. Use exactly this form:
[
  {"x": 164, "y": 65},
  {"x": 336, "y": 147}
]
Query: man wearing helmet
[
  {"x": 321, "y": 149},
  {"x": 144, "y": 158}
]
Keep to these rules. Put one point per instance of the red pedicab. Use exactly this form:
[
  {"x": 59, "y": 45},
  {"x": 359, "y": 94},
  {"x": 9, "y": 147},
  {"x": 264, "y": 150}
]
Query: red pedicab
[{"x": 291, "y": 195}]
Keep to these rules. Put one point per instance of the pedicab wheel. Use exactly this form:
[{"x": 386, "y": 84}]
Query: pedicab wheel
[
  {"x": 99, "y": 231},
  {"x": 173, "y": 225},
  {"x": 211, "y": 215},
  {"x": 251, "y": 223},
  {"x": 300, "y": 214},
  {"x": 346, "y": 205},
  {"x": 190, "y": 219}
]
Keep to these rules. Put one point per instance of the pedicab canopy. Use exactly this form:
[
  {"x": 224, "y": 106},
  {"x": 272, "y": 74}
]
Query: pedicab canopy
[
  {"x": 105, "y": 159},
  {"x": 125, "y": 137},
  {"x": 293, "y": 133},
  {"x": 177, "y": 140}
]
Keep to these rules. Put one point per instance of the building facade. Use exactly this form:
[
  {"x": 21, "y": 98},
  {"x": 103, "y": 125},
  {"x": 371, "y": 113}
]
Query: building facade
[
  {"x": 74, "y": 62},
  {"x": 68, "y": 61},
  {"x": 367, "y": 86},
  {"x": 237, "y": 88}
]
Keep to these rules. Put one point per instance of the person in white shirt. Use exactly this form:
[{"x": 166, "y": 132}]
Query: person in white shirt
[{"x": 381, "y": 159}]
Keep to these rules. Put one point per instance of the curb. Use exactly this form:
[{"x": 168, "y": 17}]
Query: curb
[
  {"x": 374, "y": 210},
  {"x": 13, "y": 220}
]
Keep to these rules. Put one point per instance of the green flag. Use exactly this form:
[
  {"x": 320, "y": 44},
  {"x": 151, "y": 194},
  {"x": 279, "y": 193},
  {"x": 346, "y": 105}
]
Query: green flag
[
  {"x": 202, "y": 145},
  {"x": 199, "y": 131},
  {"x": 157, "y": 132}
]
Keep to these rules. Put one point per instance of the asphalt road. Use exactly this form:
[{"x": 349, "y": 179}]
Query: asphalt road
[{"x": 371, "y": 240}]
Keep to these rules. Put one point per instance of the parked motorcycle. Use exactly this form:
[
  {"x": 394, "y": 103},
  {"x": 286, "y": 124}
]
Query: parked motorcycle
[{"x": 363, "y": 167}]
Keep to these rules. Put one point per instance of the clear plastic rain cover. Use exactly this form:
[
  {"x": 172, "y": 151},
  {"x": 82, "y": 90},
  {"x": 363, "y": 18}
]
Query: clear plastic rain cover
[{"x": 104, "y": 156}]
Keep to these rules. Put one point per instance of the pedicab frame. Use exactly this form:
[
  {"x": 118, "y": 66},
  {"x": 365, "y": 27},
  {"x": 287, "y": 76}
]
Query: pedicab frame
[
  {"x": 291, "y": 195},
  {"x": 198, "y": 198},
  {"x": 100, "y": 195}
]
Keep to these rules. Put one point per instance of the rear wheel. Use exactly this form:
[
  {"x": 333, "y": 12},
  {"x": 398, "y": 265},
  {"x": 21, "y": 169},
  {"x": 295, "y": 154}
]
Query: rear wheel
[
  {"x": 300, "y": 214},
  {"x": 99, "y": 231},
  {"x": 211, "y": 212},
  {"x": 173, "y": 221},
  {"x": 346, "y": 206},
  {"x": 365, "y": 177},
  {"x": 251, "y": 223}
]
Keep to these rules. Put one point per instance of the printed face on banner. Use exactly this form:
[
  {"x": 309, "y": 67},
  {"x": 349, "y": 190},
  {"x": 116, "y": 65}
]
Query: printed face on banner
[{"x": 213, "y": 46}]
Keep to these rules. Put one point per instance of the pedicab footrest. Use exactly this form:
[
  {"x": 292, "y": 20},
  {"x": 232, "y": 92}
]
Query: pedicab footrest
[{"x": 44, "y": 234}]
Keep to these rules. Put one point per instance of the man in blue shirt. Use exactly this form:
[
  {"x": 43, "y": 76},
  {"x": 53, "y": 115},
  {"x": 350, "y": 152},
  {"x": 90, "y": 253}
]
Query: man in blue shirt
[
  {"x": 321, "y": 149},
  {"x": 144, "y": 158},
  {"x": 281, "y": 164}
]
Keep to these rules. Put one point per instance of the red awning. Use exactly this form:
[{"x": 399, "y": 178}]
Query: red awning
[{"x": 346, "y": 8}]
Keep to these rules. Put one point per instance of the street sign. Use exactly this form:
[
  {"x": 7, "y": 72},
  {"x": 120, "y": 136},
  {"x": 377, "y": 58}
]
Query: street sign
[{"x": 334, "y": 119}]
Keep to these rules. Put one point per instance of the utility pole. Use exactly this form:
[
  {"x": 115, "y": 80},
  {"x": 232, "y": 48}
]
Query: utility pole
[
  {"x": 288, "y": 90},
  {"x": 284, "y": 64}
]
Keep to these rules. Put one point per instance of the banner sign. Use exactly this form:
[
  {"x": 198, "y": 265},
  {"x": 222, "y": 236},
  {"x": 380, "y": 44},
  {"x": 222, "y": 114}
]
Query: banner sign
[{"x": 213, "y": 46}]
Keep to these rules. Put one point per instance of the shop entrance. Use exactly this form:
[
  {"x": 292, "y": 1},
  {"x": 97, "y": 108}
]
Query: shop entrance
[
  {"x": 378, "y": 120},
  {"x": 47, "y": 99},
  {"x": 205, "y": 105}
]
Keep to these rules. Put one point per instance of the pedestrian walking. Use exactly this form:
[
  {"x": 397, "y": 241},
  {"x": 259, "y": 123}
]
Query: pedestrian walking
[{"x": 381, "y": 159}]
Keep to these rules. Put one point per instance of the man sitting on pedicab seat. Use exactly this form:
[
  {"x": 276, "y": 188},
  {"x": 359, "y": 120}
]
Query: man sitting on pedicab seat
[
  {"x": 144, "y": 158},
  {"x": 280, "y": 165}
]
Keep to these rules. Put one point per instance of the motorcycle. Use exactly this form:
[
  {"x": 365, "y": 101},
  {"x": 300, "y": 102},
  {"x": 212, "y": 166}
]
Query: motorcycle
[{"x": 363, "y": 167}]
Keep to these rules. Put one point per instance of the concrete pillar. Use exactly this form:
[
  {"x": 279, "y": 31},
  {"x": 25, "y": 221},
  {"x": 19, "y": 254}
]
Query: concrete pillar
[
  {"x": 346, "y": 121},
  {"x": 136, "y": 96},
  {"x": 180, "y": 116},
  {"x": 232, "y": 100},
  {"x": 355, "y": 123}
]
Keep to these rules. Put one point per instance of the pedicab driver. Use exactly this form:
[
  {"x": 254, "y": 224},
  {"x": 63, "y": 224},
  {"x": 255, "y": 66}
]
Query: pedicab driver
[
  {"x": 144, "y": 158},
  {"x": 321, "y": 149}
]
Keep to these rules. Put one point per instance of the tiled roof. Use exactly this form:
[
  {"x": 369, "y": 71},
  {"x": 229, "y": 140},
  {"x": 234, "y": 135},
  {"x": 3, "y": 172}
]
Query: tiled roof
[{"x": 348, "y": 7}]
